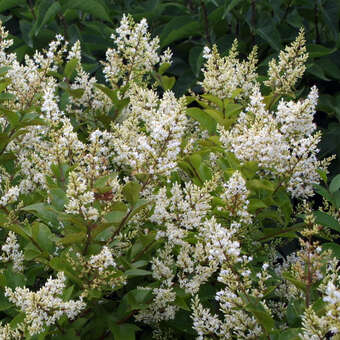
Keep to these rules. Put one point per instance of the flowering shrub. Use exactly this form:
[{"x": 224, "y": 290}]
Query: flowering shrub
[{"x": 125, "y": 209}]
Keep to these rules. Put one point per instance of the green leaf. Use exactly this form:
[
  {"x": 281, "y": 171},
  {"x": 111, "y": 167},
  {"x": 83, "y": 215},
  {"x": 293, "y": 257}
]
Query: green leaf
[
  {"x": 50, "y": 14},
  {"x": 7, "y": 4},
  {"x": 323, "y": 175},
  {"x": 124, "y": 331},
  {"x": 137, "y": 272},
  {"x": 139, "y": 205},
  {"x": 203, "y": 118},
  {"x": 249, "y": 169},
  {"x": 43, "y": 211},
  {"x": 178, "y": 28},
  {"x": 61, "y": 265},
  {"x": 327, "y": 220},
  {"x": 43, "y": 236},
  {"x": 73, "y": 238},
  {"x": 76, "y": 222},
  {"x": 70, "y": 334},
  {"x": 200, "y": 170},
  {"x": 4, "y": 303},
  {"x": 47, "y": 10},
  {"x": 31, "y": 252},
  {"x": 217, "y": 101},
  {"x": 182, "y": 303},
  {"x": 183, "y": 324},
  {"x": 317, "y": 71},
  {"x": 135, "y": 299},
  {"x": 196, "y": 60},
  {"x": 163, "y": 68},
  {"x": 18, "y": 229},
  {"x": 281, "y": 232},
  {"x": 11, "y": 116},
  {"x": 216, "y": 115},
  {"x": 231, "y": 5},
  {"x": 26, "y": 28},
  {"x": 76, "y": 93},
  {"x": 18, "y": 319},
  {"x": 181, "y": 299},
  {"x": 336, "y": 196},
  {"x": 295, "y": 310},
  {"x": 324, "y": 193},
  {"x": 261, "y": 184},
  {"x": 141, "y": 246},
  {"x": 131, "y": 192},
  {"x": 288, "y": 334},
  {"x": 11, "y": 279},
  {"x": 262, "y": 316},
  {"x": 255, "y": 204},
  {"x": 297, "y": 283},
  {"x": 117, "y": 213},
  {"x": 101, "y": 183},
  {"x": 334, "y": 247},
  {"x": 4, "y": 83},
  {"x": 317, "y": 51},
  {"x": 6, "y": 96},
  {"x": 168, "y": 82},
  {"x": 330, "y": 16},
  {"x": 270, "y": 34},
  {"x": 4, "y": 70},
  {"x": 232, "y": 110},
  {"x": 335, "y": 184},
  {"x": 58, "y": 198},
  {"x": 70, "y": 67},
  {"x": 270, "y": 100},
  {"x": 112, "y": 94},
  {"x": 92, "y": 7}
]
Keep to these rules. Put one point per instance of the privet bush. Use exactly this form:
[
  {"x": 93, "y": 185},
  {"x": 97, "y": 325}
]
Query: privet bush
[{"x": 126, "y": 210}]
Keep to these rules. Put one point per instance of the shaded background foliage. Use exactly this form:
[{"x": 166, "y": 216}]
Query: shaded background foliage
[{"x": 189, "y": 25}]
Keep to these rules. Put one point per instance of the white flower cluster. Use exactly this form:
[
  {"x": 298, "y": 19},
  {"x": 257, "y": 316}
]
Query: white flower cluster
[
  {"x": 103, "y": 260},
  {"x": 296, "y": 118},
  {"x": 54, "y": 144},
  {"x": 58, "y": 146},
  {"x": 9, "y": 333},
  {"x": 316, "y": 326},
  {"x": 134, "y": 55},
  {"x": 224, "y": 75},
  {"x": 162, "y": 307},
  {"x": 181, "y": 214},
  {"x": 149, "y": 139},
  {"x": 4, "y": 43},
  {"x": 284, "y": 74},
  {"x": 184, "y": 210},
  {"x": 333, "y": 299},
  {"x": 30, "y": 78},
  {"x": 204, "y": 322},
  {"x": 80, "y": 198},
  {"x": 50, "y": 101},
  {"x": 220, "y": 241},
  {"x": 89, "y": 95},
  {"x": 237, "y": 322},
  {"x": 46, "y": 306},
  {"x": 236, "y": 196},
  {"x": 293, "y": 155},
  {"x": 11, "y": 252},
  {"x": 10, "y": 196},
  {"x": 98, "y": 272}
]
